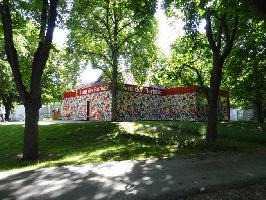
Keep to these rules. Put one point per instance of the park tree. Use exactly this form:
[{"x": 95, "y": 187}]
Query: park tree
[
  {"x": 60, "y": 73},
  {"x": 188, "y": 64},
  {"x": 43, "y": 15},
  {"x": 245, "y": 74},
  {"x": 111, "y": 33},
  {"x": 222, "y": 22}
]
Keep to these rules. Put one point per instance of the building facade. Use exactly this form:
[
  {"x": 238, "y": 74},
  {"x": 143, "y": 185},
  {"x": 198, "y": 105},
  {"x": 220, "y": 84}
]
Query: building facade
[{"x": 141, "y": 103}]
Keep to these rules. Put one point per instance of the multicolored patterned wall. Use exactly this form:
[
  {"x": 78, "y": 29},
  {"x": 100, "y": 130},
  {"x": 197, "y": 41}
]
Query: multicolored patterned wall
[
  {"x": 96, "y": 99},
  {"x": 138, "y": 106},
  {"x": 141, "y": 103}
]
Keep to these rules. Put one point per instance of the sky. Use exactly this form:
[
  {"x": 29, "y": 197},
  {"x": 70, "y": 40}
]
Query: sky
[{"x": 169, "y": 30}]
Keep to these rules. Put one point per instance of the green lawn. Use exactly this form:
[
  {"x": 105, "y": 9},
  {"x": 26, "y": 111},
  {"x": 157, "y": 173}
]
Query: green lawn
[{"x": 63, "y": 144}]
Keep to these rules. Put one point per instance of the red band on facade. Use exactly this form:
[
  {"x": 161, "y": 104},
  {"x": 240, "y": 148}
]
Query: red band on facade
[
  {"x": 93, "y": 89},
  {"x": 178, "y": 90},
  {"x": 140, "y": 89},
  {"x": 69, "y": 94}
]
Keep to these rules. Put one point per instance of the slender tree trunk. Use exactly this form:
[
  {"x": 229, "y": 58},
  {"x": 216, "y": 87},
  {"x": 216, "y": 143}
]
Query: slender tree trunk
[
  {"x": 212, "y": 118},
  {"x": 114, "y": 90},
  {"x": 115, "y": 56},
  {"x": 259, "y": 109},
  {"x": 8, "y": 106},
  {"x": 30, "y": 148},
  {"x": 215, "y": 82},
  {"x": 219, "y": 58},
  {"x": 259, "y": 7}
]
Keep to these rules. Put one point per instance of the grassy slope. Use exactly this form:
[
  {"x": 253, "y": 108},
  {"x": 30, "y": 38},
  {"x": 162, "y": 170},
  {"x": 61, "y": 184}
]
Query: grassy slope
[{"x": 63, "y": 144}]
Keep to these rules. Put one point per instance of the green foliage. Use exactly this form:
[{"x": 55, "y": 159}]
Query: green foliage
[
  {"x": 109, "y": 30},
  {"x": 60, "y": 72},
  {"x": 8, "y": 91},
  {"x": 60, "y": 75},
  {"x": 246, "y": 70},
  {"x": 193, "y": 12},
  {"x": 30, "y": 10},
  {"x": 188, "y": 65}
]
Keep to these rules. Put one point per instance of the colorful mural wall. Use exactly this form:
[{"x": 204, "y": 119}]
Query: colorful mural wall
[
  {"x": 141, "y": 103},
  {"x": 91, "y": 103}
]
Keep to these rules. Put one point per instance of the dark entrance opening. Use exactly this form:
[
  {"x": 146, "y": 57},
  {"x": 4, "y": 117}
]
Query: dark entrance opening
[{"x": 88, "y": 110}]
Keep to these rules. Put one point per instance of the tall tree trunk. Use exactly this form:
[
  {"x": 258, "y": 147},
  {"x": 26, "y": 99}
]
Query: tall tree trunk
[
  {"x": 260, "y": 7},
  {"x": 219, "y": 56},
  {"x": 215, "y": 82},
  {"x": 8, "y": 106},
  {"x": 30, "y": 148},
  {"x": 114, "y": 90},
  {"x": 259, "y": 109},
  {"x": 115, "y": 55},
  {"x": 212, "y": 118}
]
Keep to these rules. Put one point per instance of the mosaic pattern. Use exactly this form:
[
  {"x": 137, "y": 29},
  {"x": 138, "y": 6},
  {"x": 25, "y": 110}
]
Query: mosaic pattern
[
  {"x": 136, "y": 106},
  {"x": 100, "y": 107},
  {"x": 142, "y": 106},
  {"x": 179, "y": 107}
]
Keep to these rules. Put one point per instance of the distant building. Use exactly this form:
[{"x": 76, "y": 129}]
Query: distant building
[
  {"x": 237, "y": 114},
  {"x": 45, "y": 112}
]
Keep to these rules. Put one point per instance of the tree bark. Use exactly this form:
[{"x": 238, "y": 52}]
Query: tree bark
[
  {"x": 115, "y": 55},
  {"x": 30, "y": 148},
  {"x": 259, "y": 109},
  {"x": 114, "y": 89},
  {"x": 219, "y": 56},
  {"x": 215, "y": 82},
  {"x": 8, "y": 106},
  {"x": 260, "y": 7}
]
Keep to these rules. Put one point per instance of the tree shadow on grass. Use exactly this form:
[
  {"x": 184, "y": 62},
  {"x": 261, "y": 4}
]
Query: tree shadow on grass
[
  {"x": 112, "y": 143},
  {"x": 106, "y": 141}
]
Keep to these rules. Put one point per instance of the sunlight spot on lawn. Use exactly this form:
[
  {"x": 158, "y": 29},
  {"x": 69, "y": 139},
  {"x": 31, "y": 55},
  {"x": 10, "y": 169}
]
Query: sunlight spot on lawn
[
  {"x": 100, "y": 196},
  {"x": 73, "y": 158},
  {"x": 203, "y": 130}
]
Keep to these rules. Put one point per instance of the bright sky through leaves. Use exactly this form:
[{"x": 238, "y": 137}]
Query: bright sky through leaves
[{"x": 169, "y": 30}]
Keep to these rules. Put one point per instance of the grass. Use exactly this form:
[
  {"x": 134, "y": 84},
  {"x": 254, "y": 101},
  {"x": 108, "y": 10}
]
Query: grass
[{"x": 63, "y": 144}]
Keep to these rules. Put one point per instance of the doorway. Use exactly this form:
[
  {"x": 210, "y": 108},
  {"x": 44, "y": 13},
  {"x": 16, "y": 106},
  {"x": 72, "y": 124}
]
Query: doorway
[{"x": 88, "y": 110}]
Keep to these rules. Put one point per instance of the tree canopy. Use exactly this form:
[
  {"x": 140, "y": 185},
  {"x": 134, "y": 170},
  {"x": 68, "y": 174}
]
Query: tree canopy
[
  {"x": 223, "y": 21},
  {"x": 111, "y": 34},
  {"x": 245, "y": 74}
]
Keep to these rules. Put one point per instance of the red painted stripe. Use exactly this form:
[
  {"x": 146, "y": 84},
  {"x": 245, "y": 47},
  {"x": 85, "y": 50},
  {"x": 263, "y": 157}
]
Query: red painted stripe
[
  {"x": 93, "y": 89},
  {"x": 69, "y": 94},
  {"x": 140, "y": 89},
  {"x": 178, "y": 90}
]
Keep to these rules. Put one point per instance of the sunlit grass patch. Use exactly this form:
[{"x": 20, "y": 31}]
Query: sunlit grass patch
[{"x": 64, "y": 144}]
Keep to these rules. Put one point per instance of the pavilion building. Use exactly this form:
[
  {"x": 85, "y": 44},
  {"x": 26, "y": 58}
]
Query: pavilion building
[{"x": 93, "y": 102}]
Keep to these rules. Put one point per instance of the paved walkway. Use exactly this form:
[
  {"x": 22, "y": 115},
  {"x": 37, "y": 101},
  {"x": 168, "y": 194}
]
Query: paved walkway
[
  {"x": 145, "y": 179},
  {"x": 48, "y": 122}
]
